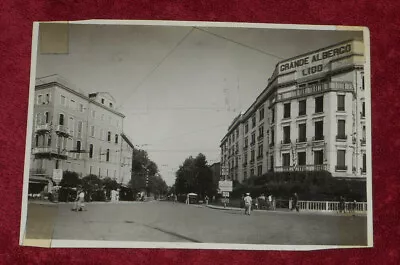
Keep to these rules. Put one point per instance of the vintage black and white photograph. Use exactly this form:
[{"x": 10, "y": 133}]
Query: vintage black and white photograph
[{"x": 198, "y": 135}]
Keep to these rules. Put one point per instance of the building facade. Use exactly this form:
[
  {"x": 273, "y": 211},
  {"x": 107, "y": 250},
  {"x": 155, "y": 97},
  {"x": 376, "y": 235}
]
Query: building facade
[
  {"x": 75, "y": 132},
  {"x": 216, "y": 173},
  {"x": 310, "y": 117}
]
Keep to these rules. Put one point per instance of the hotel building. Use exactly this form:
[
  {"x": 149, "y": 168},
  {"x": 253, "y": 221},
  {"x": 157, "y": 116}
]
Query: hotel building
[
  {"x": 310, "y": 117},
  {"x": 77, "y": 132}
]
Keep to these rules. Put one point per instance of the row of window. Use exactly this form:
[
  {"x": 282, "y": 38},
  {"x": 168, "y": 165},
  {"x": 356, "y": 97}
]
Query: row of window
[
  {"x": 43, "y": 99},
  {"x": 80, "y": 107},
  {"x": 318, "y": 160},
  {"x": 319, "y": 106},
  {"x": 101, "y": 153},
  {"x": 102, "y": 118},
  {"x": 71, "y": 104},
  {"x": 100, "y": 174},
  {"x": 103, "y": 102},
  {"x": 102, "y": 136}
]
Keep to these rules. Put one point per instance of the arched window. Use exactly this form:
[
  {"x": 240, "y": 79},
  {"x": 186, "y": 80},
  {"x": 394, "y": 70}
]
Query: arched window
[
  {"x": 108, "y": 155},
  {"x": 116, "y": 138},
  {"x": 109, "y": 136}
]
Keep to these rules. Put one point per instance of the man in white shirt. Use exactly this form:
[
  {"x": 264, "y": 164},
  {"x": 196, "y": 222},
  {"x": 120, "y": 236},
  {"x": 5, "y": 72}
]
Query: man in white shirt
[
  {"x": 81, "y": 200},
  {"x": 247, "y": 204}
]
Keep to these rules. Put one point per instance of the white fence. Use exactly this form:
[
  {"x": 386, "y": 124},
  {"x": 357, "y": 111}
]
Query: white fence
[{"x": 326, "y": 206}]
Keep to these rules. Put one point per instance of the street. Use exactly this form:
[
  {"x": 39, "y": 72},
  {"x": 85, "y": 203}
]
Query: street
[{"x": 167, "y": 222}]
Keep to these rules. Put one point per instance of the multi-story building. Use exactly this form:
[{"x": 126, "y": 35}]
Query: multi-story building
[
  {"x": 126, "y": 159},
  {"x": 75, "y": 132},
  {"x": 216, "y": 173},
  {"x": 311, "y": 116}
]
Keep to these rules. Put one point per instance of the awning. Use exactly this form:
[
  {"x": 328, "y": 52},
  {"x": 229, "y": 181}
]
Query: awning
[{"x": 38, "y": 179}]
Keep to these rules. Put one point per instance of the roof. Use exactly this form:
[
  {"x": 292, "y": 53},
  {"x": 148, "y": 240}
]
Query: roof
[
  {"x": 126, "y": 139},
  {"x": 43, "y": 82}
]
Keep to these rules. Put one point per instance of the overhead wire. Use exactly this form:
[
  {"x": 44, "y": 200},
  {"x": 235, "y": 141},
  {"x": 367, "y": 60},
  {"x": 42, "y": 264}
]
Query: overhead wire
[{"x": 157, "y": 65}]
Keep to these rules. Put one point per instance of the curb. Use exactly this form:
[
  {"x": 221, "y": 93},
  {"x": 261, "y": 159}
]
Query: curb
[
  {"x": 67, "y": 203},
  {"x": 286, "y": 211}
]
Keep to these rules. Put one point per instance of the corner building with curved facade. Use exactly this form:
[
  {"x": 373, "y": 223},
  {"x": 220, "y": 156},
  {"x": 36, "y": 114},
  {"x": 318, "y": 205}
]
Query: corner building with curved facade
[{"x": 310, "y": 117}]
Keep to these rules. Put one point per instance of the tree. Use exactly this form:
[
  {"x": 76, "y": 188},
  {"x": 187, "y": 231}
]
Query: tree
[
  {"x": 194, "y": 175},
  {"x": 70, "y": 179},
  {"x": 93, "y": 186},
  {"x": 145, "y": 175}
]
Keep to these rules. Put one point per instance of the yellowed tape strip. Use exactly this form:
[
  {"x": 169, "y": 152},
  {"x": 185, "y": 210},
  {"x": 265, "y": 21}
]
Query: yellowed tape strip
[
  {"x": 54, "y": 38},
  {"x": 350, "y": 28},
  {"x": 43, "y": 243}
]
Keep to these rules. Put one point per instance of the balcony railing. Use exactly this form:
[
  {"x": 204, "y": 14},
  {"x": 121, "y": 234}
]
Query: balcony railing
[
  {"x": 43, "y": 150},
  {"x": 43, "y": 128},
  {"x": 341, "y": 137},
  {"x": 252, "y": 161},
  {"x": 301, "y": 140},
  {"x": 61, "y": 129},
  {"x": 271, "y": 145},
  {"x": 259, "y": 157},
  {"x": 301, "y": 168},
  {"x": 313, "y": 89},
  {"x": 340, "y": 168},
  {"x": 260, "y": 137},
  {"x": 318, "y": 138},
  {"x": 252, "y": 143},
  {"x": 363, "y": 141},
  {"x": 285, "y": 142},
  {"x": 245, "y": 147}
]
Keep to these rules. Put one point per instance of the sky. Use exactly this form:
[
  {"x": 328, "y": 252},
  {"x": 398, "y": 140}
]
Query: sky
[{"x": 179, "y": 87}]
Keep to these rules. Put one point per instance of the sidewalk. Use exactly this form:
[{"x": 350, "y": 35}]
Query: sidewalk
[
  {"x": 287, "y": 211},
  {"x": 42, "y": 202}
]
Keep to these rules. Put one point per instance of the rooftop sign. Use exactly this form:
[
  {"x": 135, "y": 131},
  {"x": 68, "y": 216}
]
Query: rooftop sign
[{"x": 316, "y": 62}]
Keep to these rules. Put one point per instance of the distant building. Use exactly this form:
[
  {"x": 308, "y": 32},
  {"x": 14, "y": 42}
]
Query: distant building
[
  {"x": 75, "y": 132},
  {"x": 216, "y": 169},
  {"x": 311, "y": 116}
]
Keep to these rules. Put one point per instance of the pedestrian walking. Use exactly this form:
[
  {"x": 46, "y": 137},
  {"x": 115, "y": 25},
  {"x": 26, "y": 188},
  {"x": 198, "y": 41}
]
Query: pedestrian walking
[
  {"x": 187, "y": 199},
  {"x": 79, "y": 204},
  {"x": 206, "y": 199},
  {"x": 247, "y": 204},
  {"x": 295, "y": 202},
  {"x": 270, "y": 207},
  {"x": 342, "y": 205}
]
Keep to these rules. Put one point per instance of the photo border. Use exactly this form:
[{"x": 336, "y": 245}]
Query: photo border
[{"x": 172, "y": 245}]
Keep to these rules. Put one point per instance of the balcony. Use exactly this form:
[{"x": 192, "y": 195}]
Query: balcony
[
  {"x": 271, "y": 145},
  {"x": 48, "y": 152},
  {"x": 301, "y": 140},
  {"x": 261, "y": 137},
  {"x": 43, "y": 150},
  {"x": 252, "y": 143},
  {"x": 245, "y": 147},
  {"x": 318, "y": 138},
  {"x": 341, "y": 137},
  {"x": 62, "y": 130},
  {"x": 301, "y": 168},
  {"x": 285, "y": 142},
  {"x": 252, "y": 161},
  {"x": 363, "y": 141},
  {"x": 259, "y": 157},
  {"x": 43, "y": 128},
  {"x": 340, "y": 168},
  {"x": 315, "y": 89}
]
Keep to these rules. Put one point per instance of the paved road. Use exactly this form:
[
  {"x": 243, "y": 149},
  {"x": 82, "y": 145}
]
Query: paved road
[{"x": 168, "y": 222}]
